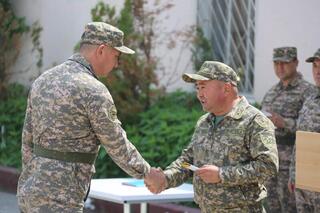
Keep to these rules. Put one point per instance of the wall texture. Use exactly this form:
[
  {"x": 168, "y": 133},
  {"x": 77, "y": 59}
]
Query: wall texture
[
  {"x": 63, "y": 22},
  {"x": 284, "y": 23}
]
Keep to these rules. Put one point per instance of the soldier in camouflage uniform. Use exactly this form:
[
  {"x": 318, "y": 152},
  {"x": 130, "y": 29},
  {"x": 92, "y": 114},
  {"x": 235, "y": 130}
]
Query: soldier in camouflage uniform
[
  {"x": 283, "y": 103},
  {"x": 233, "y": 145},
  {"x": 309, "y": 120},
  {"x": 69, "y": 114}
]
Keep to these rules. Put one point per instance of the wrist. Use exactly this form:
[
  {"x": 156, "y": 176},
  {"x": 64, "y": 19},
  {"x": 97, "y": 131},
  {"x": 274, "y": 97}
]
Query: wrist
[{"x": 220, "y": 175}]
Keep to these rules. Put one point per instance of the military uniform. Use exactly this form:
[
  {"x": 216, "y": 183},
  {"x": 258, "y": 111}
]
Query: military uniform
[
  {"x": 309, "y": 120},
  {"x": 69, "y": 114},
  {"x": 287, "y": 102},
  {"x": 242, "y": 145}
]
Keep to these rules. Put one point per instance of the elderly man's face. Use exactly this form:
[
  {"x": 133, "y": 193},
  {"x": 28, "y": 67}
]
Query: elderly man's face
[
  {"x": 285, "y": 70},
  {"x": 108, "y": 58},
  {"x": 316, "y": 71},
  {"x": 211, "y": 95}
]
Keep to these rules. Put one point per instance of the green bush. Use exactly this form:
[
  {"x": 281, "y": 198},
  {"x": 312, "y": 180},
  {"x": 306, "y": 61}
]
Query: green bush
[
  {"x": 161, "y": 133},
  {"x": 12, "y": 111}
]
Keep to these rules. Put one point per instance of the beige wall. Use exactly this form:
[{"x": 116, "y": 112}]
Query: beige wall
[
  {"x": 63, "y": 22},
  {"x": 278, "y": 23},
  {"x": 284, "y": 23}
]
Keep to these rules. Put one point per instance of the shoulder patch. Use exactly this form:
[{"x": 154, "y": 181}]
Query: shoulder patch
[
  {"x": 264, "y": 122},
  {"x": 268, "y": 141},
  {"x": 112, "y": 113}
]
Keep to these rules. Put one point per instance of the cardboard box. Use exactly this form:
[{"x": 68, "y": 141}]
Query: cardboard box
[{"x": 308, "y": 160}]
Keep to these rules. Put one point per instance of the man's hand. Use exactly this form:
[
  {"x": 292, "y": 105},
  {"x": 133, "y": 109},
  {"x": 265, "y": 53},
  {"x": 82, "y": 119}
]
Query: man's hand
[
  {"x": 209, "y": 173},
  {"x": 156, "y": 181},
  {"x": 277, "y": 120}
]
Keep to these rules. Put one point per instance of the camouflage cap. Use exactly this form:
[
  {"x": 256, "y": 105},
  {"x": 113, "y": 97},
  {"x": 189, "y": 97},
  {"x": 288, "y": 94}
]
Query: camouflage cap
[
  {"x": 103, "y": 33},
  {"x": 285, "y": 54},
  {"x": 213, "y": 70},
  {"x": 316, "y": 55}
]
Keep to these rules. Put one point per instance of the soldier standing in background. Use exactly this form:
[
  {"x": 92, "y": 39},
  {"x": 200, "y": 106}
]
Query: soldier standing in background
[
  {"x": 283, "y": 102},
  {"x": 309, "y": 120},
  {"x": 69, "y": 114},
  {"x": 233, "y": 145}
]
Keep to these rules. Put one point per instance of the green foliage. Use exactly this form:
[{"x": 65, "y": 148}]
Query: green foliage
[
  {"x": 12, "y": 28},
  {"x": 202, "y": 50},
  {"x": 131, "y": 84},
  {"x": 12, "y": 112},
  {"x": 161, "y": 133}
]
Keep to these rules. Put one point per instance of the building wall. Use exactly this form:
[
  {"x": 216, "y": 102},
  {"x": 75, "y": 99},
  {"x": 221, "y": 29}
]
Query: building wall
[
  {"x": 278, "y": 23},
  {"x": 63, "y": 22},
  {"x": 284, "y": 23}
]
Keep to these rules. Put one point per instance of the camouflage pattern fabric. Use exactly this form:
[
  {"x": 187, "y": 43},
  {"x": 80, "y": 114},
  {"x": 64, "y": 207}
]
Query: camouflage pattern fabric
[
  {"x": 213, "y": 70},
  {"x": 284, "y": 54},
  {"x": 309, "y": 120},
  {"x": 256, "y": 208},
  {"x": 307, "y": 201},
  {"x": 70, "y": 110},
  {"x": 103, "y": 33},
  {"x": 243, "y": 146},
  {"x": 287, "y": 102},
  {"x": 315, "y": 56}
]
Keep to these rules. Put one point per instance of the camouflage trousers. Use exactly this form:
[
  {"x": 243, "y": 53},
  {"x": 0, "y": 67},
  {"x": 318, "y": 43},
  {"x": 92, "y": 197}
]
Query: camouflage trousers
[
  {"x": 307, "y": 201},
  {"x": 45, "y": 205},
  {"x": 256, "y": 208},
  {"x": 279, "y": 198}
]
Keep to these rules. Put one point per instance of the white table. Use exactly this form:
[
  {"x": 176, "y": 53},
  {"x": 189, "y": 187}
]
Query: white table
[{"x": 113, "y": 190}]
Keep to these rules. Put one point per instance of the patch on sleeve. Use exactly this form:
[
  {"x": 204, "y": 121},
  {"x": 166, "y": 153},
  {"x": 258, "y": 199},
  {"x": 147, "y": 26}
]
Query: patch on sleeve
[
  {"x": 267, "y": 139},
  {"x": 112, "y": 113},
  {"x": 264, "y": 122},
  {"x": 269, "y": 142}
]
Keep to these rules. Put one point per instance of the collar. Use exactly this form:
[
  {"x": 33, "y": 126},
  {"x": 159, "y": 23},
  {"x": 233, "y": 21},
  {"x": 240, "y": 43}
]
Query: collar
[
  {"x": 78, "y": 58},
  {"x": 236, "y": 112},
  {"x": 293, "y": 83},
  {"x": 238, "y": 109}
]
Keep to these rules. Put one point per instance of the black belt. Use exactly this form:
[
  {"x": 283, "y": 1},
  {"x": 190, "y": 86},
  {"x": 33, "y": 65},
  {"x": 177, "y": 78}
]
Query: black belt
[
  {"x": 75, "y": 157},
  {"x": 286, "y": 140}
]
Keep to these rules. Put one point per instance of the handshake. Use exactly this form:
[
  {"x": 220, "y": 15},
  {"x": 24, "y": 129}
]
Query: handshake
[{"x": 156, "y": 180}]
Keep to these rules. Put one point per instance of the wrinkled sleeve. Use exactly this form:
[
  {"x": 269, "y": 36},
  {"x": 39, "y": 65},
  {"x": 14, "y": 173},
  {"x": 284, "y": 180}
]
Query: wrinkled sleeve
[
  {"x": 175, "y": 174},
  {"x": 103, "y": 118},
  {"x": 292, "y": 168},
  {"x": 263, "y": 162},
  {"x": 26, "y": 147},
  {"x": 290, "y": 123}
]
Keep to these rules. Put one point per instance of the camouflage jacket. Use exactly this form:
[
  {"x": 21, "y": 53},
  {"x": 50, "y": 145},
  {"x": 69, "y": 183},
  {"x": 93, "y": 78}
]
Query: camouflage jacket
[
  {"x": 70, "y": 110},
  {"x": 309, "y": 120},
  {"x": 287, "y": 102},
  {"x": 242, "y": 145}
]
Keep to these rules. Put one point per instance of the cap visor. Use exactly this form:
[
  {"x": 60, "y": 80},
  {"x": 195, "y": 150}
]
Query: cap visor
[
  {"x": 191, "y": 78},
  {"x": 282, "y": 59},
  {"x": 310, "y": 59},
  {"x": 125, "y": 50}
]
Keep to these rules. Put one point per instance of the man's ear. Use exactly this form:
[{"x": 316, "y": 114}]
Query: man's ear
[{"x": 99, "y": 50}]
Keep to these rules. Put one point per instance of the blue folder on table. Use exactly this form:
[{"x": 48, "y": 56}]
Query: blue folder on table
[{"x": 134, "y": 182}]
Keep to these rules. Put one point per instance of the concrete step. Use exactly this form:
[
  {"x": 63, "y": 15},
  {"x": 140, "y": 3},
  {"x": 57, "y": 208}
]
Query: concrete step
[{"x": 8, "y": 203}]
